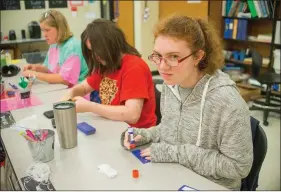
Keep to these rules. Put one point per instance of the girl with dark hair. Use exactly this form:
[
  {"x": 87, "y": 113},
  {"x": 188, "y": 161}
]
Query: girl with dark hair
[{"x": 119, "y": 81}]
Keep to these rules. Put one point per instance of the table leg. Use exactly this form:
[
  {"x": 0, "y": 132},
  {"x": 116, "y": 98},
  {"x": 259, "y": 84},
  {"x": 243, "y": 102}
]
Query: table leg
[
  {"x": 267, "y": 102},
  {"x": 7, "y": 173}
]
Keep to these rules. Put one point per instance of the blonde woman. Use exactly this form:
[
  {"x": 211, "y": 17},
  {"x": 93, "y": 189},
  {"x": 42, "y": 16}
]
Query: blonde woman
[{"x": 64, "y": 63}]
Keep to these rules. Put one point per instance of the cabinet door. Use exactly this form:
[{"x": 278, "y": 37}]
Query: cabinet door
[
  {"x": 186, "y": 7},
  {"x": 126, "y": 18}
]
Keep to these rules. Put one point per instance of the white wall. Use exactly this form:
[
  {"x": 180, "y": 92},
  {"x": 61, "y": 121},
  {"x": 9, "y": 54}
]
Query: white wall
[
  {"x": 144, "y": 30},
  {"x": 19, "y": 19}
]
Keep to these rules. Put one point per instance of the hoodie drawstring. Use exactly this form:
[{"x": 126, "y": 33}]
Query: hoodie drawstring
[{"x": 201, "y": 111}]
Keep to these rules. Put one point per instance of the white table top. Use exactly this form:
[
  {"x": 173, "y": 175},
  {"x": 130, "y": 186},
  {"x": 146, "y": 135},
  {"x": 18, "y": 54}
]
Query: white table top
[
  {"x": 76, "y": 169},
  {"x": 38, "y": 87}
]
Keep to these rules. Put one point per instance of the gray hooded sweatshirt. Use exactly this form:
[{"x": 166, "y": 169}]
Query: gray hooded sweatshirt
[{"x": 208, "y": 133}]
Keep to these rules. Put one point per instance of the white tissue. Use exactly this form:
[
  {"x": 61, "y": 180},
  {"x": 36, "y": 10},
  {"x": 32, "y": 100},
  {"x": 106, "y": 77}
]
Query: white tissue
[{"x": 107, "y": 170}]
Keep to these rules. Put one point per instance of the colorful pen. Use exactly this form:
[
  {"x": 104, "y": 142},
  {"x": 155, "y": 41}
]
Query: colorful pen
[
  {"x": 26, "y": 136},
  {"x": 44, "y": 135},
  {"x": 13, "y": 86},
  {"x": 30, "y": 134}
]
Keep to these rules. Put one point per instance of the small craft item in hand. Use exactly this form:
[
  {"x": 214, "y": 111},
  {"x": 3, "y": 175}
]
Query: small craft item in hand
[{"x": 24, "y": 88}]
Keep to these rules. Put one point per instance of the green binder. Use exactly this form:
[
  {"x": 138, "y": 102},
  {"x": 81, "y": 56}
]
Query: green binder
[{"x": 252, "y": 8}]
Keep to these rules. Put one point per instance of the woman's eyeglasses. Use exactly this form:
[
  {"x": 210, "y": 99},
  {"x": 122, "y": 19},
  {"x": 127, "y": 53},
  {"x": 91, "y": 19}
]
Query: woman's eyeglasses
[{"x": 170, "y": 60}]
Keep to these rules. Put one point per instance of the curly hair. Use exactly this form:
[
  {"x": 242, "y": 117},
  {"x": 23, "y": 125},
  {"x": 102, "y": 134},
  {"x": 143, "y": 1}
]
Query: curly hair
[{"x": 199, "y": 35}]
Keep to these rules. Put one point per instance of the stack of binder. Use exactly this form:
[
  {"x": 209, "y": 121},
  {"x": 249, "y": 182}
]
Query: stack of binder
[
  {"x": 235, "y": 29},
  {"x": 249, "y": 8}
]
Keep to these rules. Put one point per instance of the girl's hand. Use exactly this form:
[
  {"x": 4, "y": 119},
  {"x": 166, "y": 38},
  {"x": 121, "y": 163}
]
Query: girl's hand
[
  {"x": 146, "y": 153},
  {"x": 127, "y": 142}
]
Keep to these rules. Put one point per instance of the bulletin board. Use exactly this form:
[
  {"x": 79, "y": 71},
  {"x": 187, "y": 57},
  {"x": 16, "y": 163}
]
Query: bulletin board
[
  {"x": 34, "y": 4},
  {"x": 9, "y": 5},
  {"x": 57, "y": 3}
]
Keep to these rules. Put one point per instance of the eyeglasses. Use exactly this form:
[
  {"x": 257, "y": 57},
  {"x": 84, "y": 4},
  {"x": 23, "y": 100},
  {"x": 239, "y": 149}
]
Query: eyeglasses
[{"x": 172, "y": 61}]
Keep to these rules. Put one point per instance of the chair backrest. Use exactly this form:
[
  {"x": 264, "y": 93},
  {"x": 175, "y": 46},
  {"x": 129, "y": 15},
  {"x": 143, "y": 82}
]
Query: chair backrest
[
  {"x": 256, "y": 63},
  {"x": 157, "y": 98},
  {"x": 250, "y": 183},
  {"x": 2, "y": 154}
]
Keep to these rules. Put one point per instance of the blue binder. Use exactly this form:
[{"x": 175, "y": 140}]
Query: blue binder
[
  {"x": 226, "y": 28},
  {"x": 238, "y": 36},
  {"x": 231, "y": 23},
  {"x": 245, "y": 29}
]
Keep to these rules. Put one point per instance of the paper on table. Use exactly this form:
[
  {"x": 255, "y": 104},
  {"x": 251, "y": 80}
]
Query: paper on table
[
  {"x": 10, "y": 104},
  {"x": 186, "y": 188},
  {"x": 142, "y": 159}
]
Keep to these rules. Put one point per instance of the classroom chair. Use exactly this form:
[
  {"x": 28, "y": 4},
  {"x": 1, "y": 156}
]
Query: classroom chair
[
  {"x": 250, "y": 183},
  {"x": 157, "y": 88},
  {"x": 269, "y": 79},
  {"x": 2, "y": 155}
]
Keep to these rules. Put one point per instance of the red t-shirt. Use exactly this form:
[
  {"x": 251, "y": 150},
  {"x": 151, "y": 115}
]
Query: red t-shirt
[{"x": 132, "y": 81}]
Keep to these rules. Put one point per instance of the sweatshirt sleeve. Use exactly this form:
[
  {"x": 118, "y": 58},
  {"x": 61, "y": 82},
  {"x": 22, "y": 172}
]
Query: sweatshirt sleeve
[
  {"x": 233, "y": 160},
  {"x": 152, "y": 134},
  {"x": 148, "y": 135}
]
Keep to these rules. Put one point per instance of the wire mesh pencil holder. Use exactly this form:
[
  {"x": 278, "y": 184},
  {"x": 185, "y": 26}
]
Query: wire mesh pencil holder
[{"x": 43, "y": 151}]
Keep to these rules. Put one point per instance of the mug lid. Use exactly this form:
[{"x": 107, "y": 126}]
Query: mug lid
[{"x": 64, "y": 105}]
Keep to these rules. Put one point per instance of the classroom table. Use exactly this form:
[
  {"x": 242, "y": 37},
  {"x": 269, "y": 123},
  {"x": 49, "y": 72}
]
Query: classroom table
[
  {"x": 38, "y": 86},
  {"x": 77, "y": 168},
  {"x": 52, "y": 97}
]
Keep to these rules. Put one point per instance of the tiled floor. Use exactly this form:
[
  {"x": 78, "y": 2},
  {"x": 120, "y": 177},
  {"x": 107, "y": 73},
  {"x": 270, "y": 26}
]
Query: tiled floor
[{"x": 269, "y": 178}]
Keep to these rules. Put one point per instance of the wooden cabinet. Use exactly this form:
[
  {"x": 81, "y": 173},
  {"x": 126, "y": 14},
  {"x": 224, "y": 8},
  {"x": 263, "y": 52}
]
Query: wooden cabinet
[
  {"x": 126, "y": 18},
  {"x": 167, "y": 8}
]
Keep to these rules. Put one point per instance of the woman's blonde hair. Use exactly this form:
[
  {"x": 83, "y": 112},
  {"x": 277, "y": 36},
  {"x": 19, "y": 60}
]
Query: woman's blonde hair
[
  {"x": 56, "y": 19},
  {"x": 199, "y": 35}
]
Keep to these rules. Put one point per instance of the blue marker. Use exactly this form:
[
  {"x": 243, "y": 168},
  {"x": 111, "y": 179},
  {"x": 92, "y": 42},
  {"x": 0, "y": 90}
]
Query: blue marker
[{"x": 13, "y": 86}]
